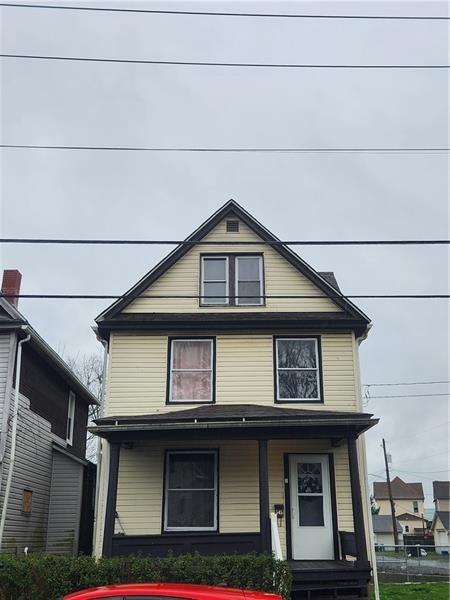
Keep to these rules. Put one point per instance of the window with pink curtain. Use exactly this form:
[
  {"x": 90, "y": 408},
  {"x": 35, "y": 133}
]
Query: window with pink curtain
[{"x": 191, "y": 370}]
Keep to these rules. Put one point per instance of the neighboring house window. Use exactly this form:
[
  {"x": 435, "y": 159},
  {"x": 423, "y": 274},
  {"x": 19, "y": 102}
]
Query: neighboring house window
[
  {"x": 233, "y": 279},
  {"x": 406, "y": 528},
  {"x": 70, "y": 418},
  {"x": 297, "y": 370},
  {"x": 27, "y": 502},
  {"x": 191, "y": 491},
  {"x": 191, "y": 365},
  {"x": 415, "y": 506}
]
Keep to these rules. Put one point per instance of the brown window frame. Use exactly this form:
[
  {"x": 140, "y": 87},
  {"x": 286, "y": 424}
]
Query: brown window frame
[{"x": 231, "y": 262}]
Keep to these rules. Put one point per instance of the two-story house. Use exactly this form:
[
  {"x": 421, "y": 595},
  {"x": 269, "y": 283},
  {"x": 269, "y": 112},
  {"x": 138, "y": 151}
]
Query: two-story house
[
  {"x": 441, "y": 521},
  {"x": 45, "y": 482},
  {"x": 408, "y": 500},
  {"x": 233, "y": 394}
]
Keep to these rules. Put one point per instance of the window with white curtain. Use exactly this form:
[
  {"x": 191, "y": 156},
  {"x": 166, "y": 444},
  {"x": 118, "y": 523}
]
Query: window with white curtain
[{"x": 191, "y": 370}]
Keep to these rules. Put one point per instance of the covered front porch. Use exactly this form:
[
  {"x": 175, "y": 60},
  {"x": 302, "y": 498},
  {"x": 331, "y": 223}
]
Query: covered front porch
[{"x": 285, "y": 481}]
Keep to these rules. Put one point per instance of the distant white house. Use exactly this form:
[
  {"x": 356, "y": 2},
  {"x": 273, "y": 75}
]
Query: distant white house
[
  {"x": 383, "y": 530},
  {"x": 441, "y": 521}
]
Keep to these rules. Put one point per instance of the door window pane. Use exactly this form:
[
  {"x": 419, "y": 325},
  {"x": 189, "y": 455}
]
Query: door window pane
[
  {"x": 191, "y": 490},
  {"x": 310, "y": 510},
  {"x": 191, "y": 371},
  {"x": 310, "y": 478},
  {"x": 297, "y": 369}
]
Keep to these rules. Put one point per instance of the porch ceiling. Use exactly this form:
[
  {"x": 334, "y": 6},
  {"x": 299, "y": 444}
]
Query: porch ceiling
[{"x": 244, "y": 421}]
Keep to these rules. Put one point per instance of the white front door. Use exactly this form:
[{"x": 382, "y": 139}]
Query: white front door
[{"x": 311, "y": 517}]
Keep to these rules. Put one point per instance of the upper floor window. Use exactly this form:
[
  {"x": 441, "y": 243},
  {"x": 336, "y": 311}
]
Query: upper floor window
[
  {"x": 191, "y": 366},
  {"x": 297, "y": 375},
  {"x": 70, "y": 418},
  {"x": 232, "y": 279},
  {"x": 415, "y": 506}
]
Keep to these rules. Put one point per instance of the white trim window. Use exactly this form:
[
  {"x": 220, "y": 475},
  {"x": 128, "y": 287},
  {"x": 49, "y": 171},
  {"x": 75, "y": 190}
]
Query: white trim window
[
  {"x": 297, "y": 370},
  {"x": 249, "y": 280},
  {"x": 415, "y": 506},
  {"x": 70, "y": 418},
  {"x": 214, "y": 283},
  {"x": 191, "y": 370},
  {"x": 190, "y": 498}
]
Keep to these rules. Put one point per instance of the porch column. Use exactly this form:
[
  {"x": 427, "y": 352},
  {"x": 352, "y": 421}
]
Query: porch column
[
  {"x": 111, "y": 498},
  {"x": 264, "y": 516},
  {"x": 358, "y": 515}
]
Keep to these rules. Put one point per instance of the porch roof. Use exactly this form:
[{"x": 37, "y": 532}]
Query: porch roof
[{"x": 250, "y": 420}]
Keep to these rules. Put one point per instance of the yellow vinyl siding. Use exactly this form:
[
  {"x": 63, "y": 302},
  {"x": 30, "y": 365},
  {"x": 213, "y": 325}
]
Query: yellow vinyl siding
[
  {"x": 140, "y": 488},
  {"x": 183, "y": 278},
  {"x": 244, "y": 372},
  {"x": 401, "y": 506}
]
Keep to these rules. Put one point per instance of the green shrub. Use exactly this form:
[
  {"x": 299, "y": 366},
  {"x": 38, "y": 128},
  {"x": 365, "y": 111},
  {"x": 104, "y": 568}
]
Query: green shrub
[{"x": 45, "y": 577}]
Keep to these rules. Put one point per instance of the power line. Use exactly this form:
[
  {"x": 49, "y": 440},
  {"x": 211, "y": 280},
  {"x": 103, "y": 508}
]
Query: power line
[
  {"x": 196, "y": 297},
  {"x": 185, "y": 63},
  {"x": 410, "y": 395},
  {"x": 230, "y": 14},
  {"x": 408, "y": 383},
  {"x": 238, "y": 150},
  {"x": 228, "y": 243}
]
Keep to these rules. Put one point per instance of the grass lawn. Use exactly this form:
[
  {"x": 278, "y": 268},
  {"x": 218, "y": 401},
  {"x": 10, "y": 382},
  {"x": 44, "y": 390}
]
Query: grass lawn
[{"x": 414, "y": 591}]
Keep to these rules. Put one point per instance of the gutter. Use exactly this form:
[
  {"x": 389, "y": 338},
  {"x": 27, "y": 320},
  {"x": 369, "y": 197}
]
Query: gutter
[{"x": 13, "y": 434}]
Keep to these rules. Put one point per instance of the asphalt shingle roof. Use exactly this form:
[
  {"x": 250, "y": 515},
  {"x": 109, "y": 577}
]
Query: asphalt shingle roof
[
  {"x": 400, "y": 490},
  {"x": 383, "y": 524},
  {"x": 441, "y": 490}
]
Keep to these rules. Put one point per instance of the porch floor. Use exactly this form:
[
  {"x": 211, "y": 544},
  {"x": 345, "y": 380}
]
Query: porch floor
[
  {"x": 328, "y": 579},
  {"x": 320, "y": 565}
]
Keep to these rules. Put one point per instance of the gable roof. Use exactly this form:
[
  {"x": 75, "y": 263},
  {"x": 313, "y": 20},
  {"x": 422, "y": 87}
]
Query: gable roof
[
  {"x": 400, "y": 490},
  {"x": 444, "y": 516},
  {"x": 13, "y": 320},
  {"x": 441, "y": 490},
  {"x": 409, "y": 517},
  {"x": 324, "y": 281},
  {"x": 383, "y": 524}
]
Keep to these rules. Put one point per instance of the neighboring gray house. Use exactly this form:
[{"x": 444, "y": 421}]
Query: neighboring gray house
[
  {"x": 383, "y": 531},
  {"x": 50, "y": 485}
]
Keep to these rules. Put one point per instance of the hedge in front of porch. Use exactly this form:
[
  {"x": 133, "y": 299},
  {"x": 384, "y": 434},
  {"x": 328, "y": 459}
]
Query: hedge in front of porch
[{"x": 44, "y": 577}]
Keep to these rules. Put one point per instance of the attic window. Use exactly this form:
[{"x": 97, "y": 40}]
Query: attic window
[{"x": 233, "y": 226}]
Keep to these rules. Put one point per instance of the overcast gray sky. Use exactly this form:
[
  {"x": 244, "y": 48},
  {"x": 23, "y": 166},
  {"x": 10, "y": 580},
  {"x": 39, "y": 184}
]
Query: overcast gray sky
[{"x": 309, "y": 196}]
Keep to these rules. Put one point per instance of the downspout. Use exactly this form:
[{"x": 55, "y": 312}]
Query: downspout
[
  {"x": 99, "y": 443},
  {"x": 7, "y": 401},
  {"x": 373, "y": 561},
  {"x": 13, "y": 435}
]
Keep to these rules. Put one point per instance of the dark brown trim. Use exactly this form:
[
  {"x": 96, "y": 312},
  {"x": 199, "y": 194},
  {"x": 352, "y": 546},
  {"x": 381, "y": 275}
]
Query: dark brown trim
[
  {"x": 204, "y": 542},
  {"x": 233, "y": 210},
  {"x": 170, "y": 339},
  {"x": 321, "y": 400},
  {"x": 111, "y": 498},
  {"x": 189, "y": 532},
  {"x": 264, "y": 514},
  {"x": 287, "y": 503},
  {"x": 358, "y": 515},
  {"x": 287, "y": 500},
  {"x": 232, "y": 260},
  {"x": 334, "y": 516}
]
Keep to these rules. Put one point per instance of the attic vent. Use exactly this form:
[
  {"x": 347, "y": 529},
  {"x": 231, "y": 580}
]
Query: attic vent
[{"x": 233, "y": 226}]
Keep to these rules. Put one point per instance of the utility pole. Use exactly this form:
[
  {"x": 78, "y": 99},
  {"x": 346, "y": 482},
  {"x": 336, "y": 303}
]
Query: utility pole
[{"x": 391, "y": 500}]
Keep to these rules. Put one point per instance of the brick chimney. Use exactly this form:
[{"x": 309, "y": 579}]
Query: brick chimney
[{"x": 11, "y": 285}]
